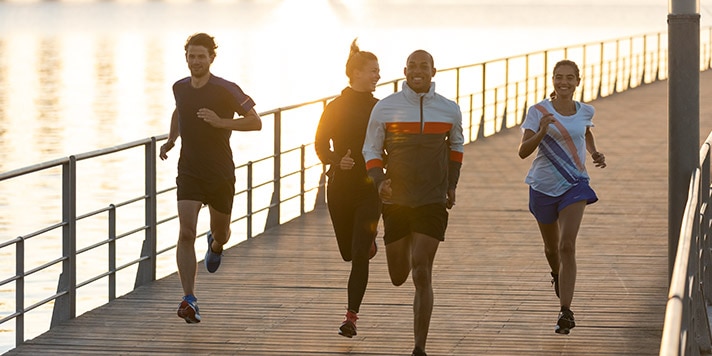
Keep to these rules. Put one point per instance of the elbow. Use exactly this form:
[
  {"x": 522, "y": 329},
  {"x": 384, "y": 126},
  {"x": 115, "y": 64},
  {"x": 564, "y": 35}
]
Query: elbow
[{"x": 522, "y": 153}]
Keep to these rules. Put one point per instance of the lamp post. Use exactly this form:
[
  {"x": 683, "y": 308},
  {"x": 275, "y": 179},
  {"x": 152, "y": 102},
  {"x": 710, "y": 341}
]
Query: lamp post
[{"x": 683, "y": 111}]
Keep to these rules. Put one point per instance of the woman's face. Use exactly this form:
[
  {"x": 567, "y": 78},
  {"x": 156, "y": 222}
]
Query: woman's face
[
  {"x": 565, "y": 81},
  {"x": 366, "y": 78}
]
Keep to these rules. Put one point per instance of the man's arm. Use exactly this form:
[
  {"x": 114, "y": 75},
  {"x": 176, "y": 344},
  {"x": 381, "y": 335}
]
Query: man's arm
[
  {"x": 250, "y": 122},
  {"x": 456, "y": 139},
  {"x": 173, "y": 134},
  {"x": 373, "y": 148}
]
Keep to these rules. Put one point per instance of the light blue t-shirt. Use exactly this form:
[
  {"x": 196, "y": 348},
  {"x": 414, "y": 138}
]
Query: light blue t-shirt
[{"x": 560, "y": 158}]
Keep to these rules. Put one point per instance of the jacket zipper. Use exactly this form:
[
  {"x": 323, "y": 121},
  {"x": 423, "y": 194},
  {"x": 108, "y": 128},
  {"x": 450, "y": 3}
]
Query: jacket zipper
[{"x": 422, "y": 120}]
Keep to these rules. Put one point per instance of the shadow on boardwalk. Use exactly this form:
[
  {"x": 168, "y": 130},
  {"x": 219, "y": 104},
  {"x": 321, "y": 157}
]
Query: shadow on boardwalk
[{"x": 284, "y": 292}]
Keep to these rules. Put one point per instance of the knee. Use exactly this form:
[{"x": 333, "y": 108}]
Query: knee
[
  {"x": 551, "y": 250},
  {"x": 567, "y": 249},
  {"x": 221, "y": 237},
  {"x": 398, "y": 278},
  {"x": 422, "y": 275},
  {"x": 186, "y": 235}
]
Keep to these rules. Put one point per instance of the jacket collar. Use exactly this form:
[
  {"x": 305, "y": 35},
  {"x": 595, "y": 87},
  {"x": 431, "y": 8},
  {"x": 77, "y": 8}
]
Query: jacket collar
[{"x": 412, "y": 95}]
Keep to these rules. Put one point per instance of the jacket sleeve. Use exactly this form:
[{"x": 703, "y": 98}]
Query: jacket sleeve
[
  {"x": 456, "y": 140},
  {"x": 322, "y": 141},
  {"x": 373, "y": 146}
]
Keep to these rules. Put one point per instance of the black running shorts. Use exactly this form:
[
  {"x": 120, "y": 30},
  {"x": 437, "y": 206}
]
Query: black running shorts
[
  {"x": 219, "y": 194},
  {"x": 399, "y": 221}
]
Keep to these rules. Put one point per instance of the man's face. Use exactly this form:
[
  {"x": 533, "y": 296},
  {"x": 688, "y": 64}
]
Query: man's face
[
  {"x": 419, "y": 71},
  {"x": 199, "y": 60}
]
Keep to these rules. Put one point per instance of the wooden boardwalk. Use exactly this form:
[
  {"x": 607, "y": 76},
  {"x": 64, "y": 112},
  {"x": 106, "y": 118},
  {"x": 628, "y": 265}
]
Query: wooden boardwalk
[{"x": 284, "y": 292}]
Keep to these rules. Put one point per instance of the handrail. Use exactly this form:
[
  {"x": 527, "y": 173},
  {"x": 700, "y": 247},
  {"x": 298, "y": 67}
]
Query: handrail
[
  {"x": 687, "y": 330},
  {"x": 492, "y": 95}
]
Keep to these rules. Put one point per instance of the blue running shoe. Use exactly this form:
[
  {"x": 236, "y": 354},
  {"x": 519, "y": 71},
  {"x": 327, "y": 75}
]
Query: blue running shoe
[
  {"x": 212, "y": 259},
  {"x": 188, "y": 310}
]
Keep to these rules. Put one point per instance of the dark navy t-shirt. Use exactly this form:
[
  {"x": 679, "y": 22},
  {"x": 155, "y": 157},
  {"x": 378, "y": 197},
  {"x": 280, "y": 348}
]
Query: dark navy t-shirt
[{"x": 205, "y": 150}]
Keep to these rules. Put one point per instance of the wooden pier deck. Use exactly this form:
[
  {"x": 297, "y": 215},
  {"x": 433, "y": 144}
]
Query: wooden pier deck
[{"x": 284, "y": 292}]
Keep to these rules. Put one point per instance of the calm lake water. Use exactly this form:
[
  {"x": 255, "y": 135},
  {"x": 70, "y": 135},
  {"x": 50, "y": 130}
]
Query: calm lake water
[{"x": 80, "y": 76}]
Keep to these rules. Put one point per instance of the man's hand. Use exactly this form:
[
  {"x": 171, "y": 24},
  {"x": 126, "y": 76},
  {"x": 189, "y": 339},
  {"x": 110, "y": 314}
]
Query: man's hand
[
  {"x": 450, "y": 198},
  {"x": 164, "y": 150},
  {"x": 210, "y": 117}
]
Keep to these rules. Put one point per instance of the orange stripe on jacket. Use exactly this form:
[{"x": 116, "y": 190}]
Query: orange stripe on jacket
[
  {"x": 374, "y": 163},
  {"x": 414, "y": 127},
  {"x": 456, "y": 156}
]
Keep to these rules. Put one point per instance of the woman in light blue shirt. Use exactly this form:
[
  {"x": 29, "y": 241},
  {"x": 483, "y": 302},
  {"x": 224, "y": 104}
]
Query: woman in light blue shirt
[{"x": 559, "y": 130}]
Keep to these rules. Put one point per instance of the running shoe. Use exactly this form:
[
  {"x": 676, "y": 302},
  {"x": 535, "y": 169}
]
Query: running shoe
[
  {"x": 188, "y": 310},
  {"x": 566, "y": 321},
  {"x": 348, "y": 327},
  {"x": 212, "y": 259},
  {"x": 417, "y": 351},
  {"x": 555, "y": 283},
  {"x": 374, "y": 249}
]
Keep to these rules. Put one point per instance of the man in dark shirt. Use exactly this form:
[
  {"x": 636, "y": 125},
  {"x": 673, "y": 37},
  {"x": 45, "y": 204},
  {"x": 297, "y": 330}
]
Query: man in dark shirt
[{"x": 204, "y": 120}]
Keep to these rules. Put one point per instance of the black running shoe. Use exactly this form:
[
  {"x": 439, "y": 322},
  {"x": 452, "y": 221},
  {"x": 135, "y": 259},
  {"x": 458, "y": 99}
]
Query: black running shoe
[
  {"x": 555, "y": 283},
  {"x": 348, "y": 326},
  {"x": 566, "y": 321}
]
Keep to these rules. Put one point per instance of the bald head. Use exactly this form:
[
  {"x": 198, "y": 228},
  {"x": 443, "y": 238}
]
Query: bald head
[{"x": 421, "y": 52}]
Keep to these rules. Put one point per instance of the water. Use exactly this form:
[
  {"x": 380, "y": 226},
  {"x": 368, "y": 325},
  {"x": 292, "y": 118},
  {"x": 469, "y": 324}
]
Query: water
[{"x": 79, "y": 76}]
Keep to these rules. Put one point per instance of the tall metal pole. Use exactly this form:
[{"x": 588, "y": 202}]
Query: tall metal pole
[{"x": 683, "y": 111}]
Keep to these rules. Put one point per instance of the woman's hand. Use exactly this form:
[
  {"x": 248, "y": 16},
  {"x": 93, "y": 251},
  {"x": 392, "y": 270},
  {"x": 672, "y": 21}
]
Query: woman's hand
[
  {"x": 347, "y": 162},
  {"x": 599, "y": 159}
]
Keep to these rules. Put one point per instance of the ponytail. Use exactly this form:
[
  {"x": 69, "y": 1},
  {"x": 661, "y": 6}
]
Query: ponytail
[{"x": 357, "y": 59}]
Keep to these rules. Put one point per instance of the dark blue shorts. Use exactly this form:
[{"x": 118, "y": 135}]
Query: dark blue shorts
[
  {"x": 546, "y": 208},
  {"x": 400, "y": 221}
]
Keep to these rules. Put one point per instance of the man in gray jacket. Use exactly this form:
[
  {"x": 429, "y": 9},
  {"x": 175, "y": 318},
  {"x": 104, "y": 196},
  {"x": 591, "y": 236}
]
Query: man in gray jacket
[{"x": 421, "y": 131}]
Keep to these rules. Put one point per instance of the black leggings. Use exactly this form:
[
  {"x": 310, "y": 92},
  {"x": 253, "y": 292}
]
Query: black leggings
[{"x": 354, "y": 215}]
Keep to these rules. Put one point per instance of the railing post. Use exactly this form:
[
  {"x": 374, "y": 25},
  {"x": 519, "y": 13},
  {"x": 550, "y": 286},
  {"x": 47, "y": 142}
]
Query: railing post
[
  {"x": 481, "y": 128},
  {"x": 20, "y": 291},
  {"x": 273, "y": 216},
  {"x": 65, "y": 306},
  {"x": 147, "y": 268},
  {"x": 546, "y": 71},
  {"x": 472, "y": 109},
  {"x": 506, "y": 93},
  {"x": 583, "y": 68},
  {"x": 645, "y": 59},
  {"x": 706, "y": 263},
  {"x": 600, "y": 81},
  {"x": 112, "y": 252},
  {"x": 249, "y": 200},
  {"x": 302, "y": 181},
  {"x": 457, "y": 85}
]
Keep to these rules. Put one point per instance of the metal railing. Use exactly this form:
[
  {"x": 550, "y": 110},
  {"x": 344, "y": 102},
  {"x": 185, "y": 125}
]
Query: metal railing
[
  {"x": 493, "y": 96},
  {"x": 687, "y": 324}
]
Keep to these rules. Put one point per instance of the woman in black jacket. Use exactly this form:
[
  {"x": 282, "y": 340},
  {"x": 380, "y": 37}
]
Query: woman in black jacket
[{"x": 353, "y": 203}]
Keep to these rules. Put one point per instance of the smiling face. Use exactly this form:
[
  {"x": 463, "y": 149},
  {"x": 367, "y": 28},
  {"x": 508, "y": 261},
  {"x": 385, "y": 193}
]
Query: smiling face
[
  {"x": 364, "y": 79},
  {"x": 419, "y": 71},
  {"x": 199, "y": 60},
  {"x": 565, "y": 81}
]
